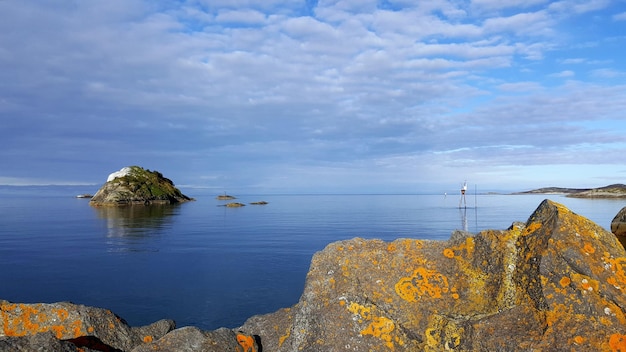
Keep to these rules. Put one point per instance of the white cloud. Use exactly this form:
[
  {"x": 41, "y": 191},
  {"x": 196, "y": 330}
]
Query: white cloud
[
  {"x": 241, "y": 17},
  {"x": 268, "y": 85},
  {"x": 619, "y": 16},
  {"x": 504, "y": 4},
  {"x": 607, "y": 73},
  {"x": 530, "y": 23},
  {"x": 563, "y": 74}
]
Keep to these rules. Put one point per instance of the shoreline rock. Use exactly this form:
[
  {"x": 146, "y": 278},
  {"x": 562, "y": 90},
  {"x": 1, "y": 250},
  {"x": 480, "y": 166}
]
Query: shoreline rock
[{"x": 553, "y": 283}]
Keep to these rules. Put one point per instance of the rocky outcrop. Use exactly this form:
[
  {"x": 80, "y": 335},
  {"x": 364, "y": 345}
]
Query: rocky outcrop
[
  {"x": 555, "y": 283},
  {"x": 69, "y": 327},
  {"x": 134, "y": 185},
  {"x": 617, "y": 190},
  {"x": 610, "y": 191},
  {"x": 618, "y": 225}
]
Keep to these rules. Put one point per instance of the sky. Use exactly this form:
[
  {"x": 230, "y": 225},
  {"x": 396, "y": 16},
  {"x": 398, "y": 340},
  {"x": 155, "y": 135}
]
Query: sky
[{"x": 304, "y": 96}]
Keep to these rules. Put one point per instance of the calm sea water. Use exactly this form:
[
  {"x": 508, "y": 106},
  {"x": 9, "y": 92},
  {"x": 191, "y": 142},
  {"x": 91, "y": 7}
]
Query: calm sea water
[{"x": 210, "y": 266}]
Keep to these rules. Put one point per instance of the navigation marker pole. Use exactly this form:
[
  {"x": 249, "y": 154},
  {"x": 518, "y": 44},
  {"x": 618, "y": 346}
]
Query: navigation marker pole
[{"x": 463, "y": 200}]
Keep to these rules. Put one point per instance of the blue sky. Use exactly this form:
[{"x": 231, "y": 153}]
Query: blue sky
[{"x": 354, "y": 96}]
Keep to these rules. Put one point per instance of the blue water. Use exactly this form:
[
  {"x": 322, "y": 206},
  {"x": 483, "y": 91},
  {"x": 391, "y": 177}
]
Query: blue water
[{"x": 210, "y": 266}]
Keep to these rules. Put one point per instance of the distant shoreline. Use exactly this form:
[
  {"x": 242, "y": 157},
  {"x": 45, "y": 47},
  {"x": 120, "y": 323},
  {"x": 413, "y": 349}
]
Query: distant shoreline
[{"x": 610, "y": 191}]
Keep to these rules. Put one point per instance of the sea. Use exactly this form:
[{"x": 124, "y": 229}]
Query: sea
[{"x": 209, "y": 266}]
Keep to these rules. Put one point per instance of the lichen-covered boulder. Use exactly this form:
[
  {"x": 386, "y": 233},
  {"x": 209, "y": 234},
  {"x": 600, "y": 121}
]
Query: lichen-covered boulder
[
  {"x": 618, "y": 225},
  {"x": 555, "y": 283},
  {"x": 82, "y": 326},
  {"x": 134, "y": 185}
]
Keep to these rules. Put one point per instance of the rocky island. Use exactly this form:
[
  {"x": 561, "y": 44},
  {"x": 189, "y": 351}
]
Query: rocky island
[
  {"x": 135, "y": 185},
  {"x": 611, "y": 191},
  {"x": 553, "y": 283}
]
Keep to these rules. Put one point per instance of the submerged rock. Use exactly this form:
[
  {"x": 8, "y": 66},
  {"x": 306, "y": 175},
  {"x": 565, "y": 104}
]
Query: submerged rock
[
  {"x": 134, "y": 185},
  {"x": 555, "y": 283}
]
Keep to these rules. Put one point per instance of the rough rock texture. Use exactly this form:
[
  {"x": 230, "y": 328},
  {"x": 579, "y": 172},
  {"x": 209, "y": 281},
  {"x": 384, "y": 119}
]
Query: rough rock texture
[
  {"x": 554, "y": 284},
  {"x": 135, "y": 185},
  {"x": 69, "y": 327},
  {"x": 79, "y": 325},
  {"x": 618, "y": 225}
]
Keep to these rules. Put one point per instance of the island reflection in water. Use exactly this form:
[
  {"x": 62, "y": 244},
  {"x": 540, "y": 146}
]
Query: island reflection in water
[{"x": 128, "y": 227}]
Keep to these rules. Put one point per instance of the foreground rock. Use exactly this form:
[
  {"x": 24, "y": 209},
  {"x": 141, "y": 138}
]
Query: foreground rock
[
  {"x": 555, "y": 283},
  {"x": 69, "y": 327},
  {"x": 618, "y": 225},
  {"x": 134, "y": 185}
]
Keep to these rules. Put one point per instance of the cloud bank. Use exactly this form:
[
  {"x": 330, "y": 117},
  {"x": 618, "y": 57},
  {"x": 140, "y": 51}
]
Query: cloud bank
[{"x": 314, "y": 96}]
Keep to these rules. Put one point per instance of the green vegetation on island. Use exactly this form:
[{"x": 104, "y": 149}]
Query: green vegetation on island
[{"x": 135, "y": 185}]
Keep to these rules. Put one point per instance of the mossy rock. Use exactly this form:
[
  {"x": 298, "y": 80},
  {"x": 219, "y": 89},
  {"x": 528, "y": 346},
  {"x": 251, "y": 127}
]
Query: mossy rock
[{"x": 135, "y": 185}]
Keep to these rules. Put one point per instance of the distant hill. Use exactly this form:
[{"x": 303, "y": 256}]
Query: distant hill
[{"x": 611, "y": 191}]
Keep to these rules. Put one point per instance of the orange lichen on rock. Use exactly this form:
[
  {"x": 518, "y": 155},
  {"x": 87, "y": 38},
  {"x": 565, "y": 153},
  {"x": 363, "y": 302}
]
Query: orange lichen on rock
[
  {"x": 565, "y": 281},
  {"x": 17, "y": 320},
  {"x": 148, "y": 339},
  {"x": 58, "y": 330},
  {"x": 532, "y": 227},
  {"x": 467, "y": 246},
  {"x": 588, "y": 248},
  {"x": 617, "y": 343},
  {"x": 282, "y": 339},
  {"x": 618, "y": 266},
  {"x": 585, "y": 283},
  {"x": 62, "y": 313},
  {"x": 246, "y": 343},
  {"x": 29, "y": 319},
  {"x": 379, "y": 326},
  {"x": 422, "y": 282}
]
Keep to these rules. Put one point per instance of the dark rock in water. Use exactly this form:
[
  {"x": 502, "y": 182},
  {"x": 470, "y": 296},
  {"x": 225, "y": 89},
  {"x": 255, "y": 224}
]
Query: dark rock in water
[
  {"x": 555, "y": 283},
  {"x": 262, "y": 202},
  {"x": 136, "y": 186},
  {"x": 234, "y": 205},
  {"x": 618, "y": 225}
]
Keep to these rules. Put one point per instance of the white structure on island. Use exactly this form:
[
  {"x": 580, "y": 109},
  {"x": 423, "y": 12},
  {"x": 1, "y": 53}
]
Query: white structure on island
[{"x": 123, "y": 172}]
